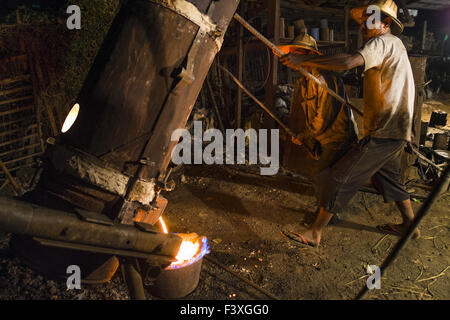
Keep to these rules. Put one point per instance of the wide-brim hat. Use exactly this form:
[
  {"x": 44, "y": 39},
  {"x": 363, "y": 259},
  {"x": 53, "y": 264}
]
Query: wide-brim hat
[
  {"x": 388, "y": 7},
  {"x": 303, "y": 41}
]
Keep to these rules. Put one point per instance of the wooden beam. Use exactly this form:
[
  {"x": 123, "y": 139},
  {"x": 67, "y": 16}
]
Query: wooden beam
[
  {"x": 249, "y": 47},
  {"x": 23, "y": 158},
  {"x": 4, "y": 184},
  {"x": 323, "y": 10},
  {"x": 31, "y": 146},
  {"x": 15, "y": 100},
  {"x": 26, "y": 108},
  {"x": 273, "y": 31},
  {"x": 14, "y": 79},
  {"x": 9, "y": 132},
  {"x": 15, "y": 185},
  {"x": 51, "y": 118},
  {"x": 15, "y": 90},
  {"x": 17, "y": 140},
  {"x": 37, "y": 101},
  {"x": 5, "y": 124},
  {"x": 240, "y": 76},
  {"x": 346, "y": 21},
  {"x": 27, "y": 165}
]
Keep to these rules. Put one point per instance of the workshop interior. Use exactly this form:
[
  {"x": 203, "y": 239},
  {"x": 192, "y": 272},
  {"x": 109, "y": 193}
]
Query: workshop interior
[{"x": 195, "y": 150}]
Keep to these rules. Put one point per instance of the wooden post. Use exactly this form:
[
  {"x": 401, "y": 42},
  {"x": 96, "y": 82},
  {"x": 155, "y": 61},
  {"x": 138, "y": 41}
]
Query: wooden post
[
  {"x": 360, "y": 38},
  {"x": 16, "y": 187},
  {"x": 424, "y": 34},
  {"x": 240, "y": 76},
  {"x": 347, "y": 14},
  {"x": 273, "y": 31},
  {"x": 37, "y": 102},
  {"x": 216, "y": 108}
]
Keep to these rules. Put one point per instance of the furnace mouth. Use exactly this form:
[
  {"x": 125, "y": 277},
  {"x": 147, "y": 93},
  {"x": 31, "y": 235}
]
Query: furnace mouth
[
  {"x": 71, "y": 118},
  {"x": 190, "y": 242}
]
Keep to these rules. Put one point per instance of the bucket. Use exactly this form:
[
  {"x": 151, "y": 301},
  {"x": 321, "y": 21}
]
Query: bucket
[
  {"x": 177, "y": 283},
  {"x": 440, "y": 141}
]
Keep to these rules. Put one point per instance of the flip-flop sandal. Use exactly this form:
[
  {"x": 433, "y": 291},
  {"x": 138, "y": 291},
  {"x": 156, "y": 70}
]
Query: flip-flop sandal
[
  {"x": 298, "y": 238},
  {"x": 390, "y": 228}
]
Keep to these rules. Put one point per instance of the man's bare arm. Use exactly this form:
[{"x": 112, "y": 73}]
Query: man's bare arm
[{"x": 343, "y": 61}]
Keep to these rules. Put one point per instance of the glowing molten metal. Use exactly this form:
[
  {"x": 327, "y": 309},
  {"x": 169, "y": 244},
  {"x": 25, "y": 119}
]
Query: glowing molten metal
[{"x": 191, "y": 249}]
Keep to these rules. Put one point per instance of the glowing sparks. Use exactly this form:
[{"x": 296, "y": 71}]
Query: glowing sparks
[{"x": 71, "y": 117}]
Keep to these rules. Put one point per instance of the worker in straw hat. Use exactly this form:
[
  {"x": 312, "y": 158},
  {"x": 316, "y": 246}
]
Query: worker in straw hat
[
  {"x": 388, "y": 100},
  {"x": 323, "y": 124}
]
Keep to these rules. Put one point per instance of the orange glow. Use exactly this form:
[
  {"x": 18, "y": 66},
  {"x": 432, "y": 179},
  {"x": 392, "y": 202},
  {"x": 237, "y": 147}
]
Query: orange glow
[
  {"x": 163, "y": 225},
  {"x": 189, "y": 248},
  {"x": 71, "y": 117}
]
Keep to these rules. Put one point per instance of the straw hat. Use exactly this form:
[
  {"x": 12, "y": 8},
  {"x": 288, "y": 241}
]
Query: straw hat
[
  {"x": 388, "y": 7},
  {"x": 303, "y": 41}
]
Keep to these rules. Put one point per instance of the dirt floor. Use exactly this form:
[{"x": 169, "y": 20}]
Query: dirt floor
[{"x": 242, "y": 214}]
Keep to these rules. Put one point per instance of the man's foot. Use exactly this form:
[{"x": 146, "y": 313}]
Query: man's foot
[
  {"x": 398, "y": 229},
  {"x": 306, "y": 238}
]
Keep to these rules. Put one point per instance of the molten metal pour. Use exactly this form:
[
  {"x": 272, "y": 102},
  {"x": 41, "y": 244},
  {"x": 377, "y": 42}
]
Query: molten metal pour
[{"x": 191, "y": 249}]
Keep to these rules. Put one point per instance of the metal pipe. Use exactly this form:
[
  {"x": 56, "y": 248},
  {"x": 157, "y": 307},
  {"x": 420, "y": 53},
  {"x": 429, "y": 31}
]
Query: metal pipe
[
  {"x": 267, "y": 110},
  {"x": 280, "y": 53},
  {"x": 30, "y": 220},
  {"x": 259, "y": 103}
]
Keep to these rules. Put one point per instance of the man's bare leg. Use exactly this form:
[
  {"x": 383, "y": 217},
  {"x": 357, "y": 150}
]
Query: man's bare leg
[
  {"x": 314, "y": 233},
  {"x": 407, "y": 212}
]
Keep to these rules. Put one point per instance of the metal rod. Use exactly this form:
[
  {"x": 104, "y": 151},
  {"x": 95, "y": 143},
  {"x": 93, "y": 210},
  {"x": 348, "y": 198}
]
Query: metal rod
[
  {"x": 286, "y": 128},
  {"x": 267, "y": 110},
  {"x": 217, "y": 263},
  {"x": 280, "y": 53},
  {"x": 437, "y": 190}
]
